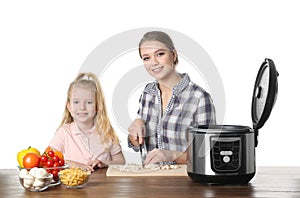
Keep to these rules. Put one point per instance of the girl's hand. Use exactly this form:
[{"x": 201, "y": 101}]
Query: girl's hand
[
  {"x": 86, "y": 167},
  {"x": 99, "y": 164},
  {"x": 159, "y": 155},
  {"x": 93, "y": 163},
  {"x": 137, "y": 131},
  {"x": 116, "y": 159}
]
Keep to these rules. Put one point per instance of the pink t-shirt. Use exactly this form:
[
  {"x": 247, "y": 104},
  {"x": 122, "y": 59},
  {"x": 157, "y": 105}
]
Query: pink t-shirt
[{"x": 81, "y": 147}]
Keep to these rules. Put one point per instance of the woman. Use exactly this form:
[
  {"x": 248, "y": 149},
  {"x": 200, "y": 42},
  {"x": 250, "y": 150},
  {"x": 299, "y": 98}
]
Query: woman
[{"x": 168, "y": 105}]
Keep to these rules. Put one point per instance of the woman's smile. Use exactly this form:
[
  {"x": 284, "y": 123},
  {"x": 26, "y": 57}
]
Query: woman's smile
[{"x": 157, "y": 70}]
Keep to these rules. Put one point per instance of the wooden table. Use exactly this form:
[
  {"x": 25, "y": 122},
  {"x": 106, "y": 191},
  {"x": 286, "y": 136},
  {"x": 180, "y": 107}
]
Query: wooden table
[{"x": 272, "y": 182}]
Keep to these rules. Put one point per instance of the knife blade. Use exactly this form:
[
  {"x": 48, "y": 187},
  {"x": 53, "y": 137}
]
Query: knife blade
[{"x": 142, "y": 154}]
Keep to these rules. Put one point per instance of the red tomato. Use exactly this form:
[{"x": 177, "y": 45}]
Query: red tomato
[
  {"x": 55, "y": 164},
  {"x": 31, "y": 160},
  {"x": 61, "y": 162},
  {"x": 49, "y": 163},
  {"x": 44, "y": 158},
  {"x": 55, "y": 158},
  {"x": 56, "y": 152},
  {"x": 55, "y": 174},
  {"x": 51, "y": 153}
]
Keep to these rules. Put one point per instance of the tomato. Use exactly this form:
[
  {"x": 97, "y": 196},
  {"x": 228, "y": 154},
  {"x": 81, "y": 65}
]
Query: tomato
[
  {"x": 22, "y": 153},
  {"x": 44, "y": 158},
  {"x": 49, "y": 163},
  {"x": 56, "y": 164},
  {"x": 55, "y": 174},
  {"x": 56, "y": 152},
  {"x": 61, "y": 162},
  {"x": 31, "y": 160},
  {"x": 55, "y": 158},
  {"x": 51, "y": 153}
]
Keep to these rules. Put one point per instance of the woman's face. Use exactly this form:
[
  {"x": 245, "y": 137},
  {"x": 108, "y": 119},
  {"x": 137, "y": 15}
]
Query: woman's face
[
  {"x": 157, "y": 59},
  {"x": 82, "y": 105}
]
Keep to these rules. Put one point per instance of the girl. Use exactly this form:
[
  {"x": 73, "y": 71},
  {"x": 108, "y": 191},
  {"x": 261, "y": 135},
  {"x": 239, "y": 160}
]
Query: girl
[
  {"x": 85, "y": 135},
  {"x": 168, "y": 105}
]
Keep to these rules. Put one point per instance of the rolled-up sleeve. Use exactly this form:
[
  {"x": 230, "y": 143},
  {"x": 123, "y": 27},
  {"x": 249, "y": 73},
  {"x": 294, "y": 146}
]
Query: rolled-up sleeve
[{"x": 206, "y": 113}]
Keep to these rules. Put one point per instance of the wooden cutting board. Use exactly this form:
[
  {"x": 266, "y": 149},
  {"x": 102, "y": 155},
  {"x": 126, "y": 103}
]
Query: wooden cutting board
[{"x": 113, "y": 172}]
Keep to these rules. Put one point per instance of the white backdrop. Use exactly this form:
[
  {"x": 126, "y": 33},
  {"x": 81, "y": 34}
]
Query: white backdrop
[{"x": 43, "y": 44}]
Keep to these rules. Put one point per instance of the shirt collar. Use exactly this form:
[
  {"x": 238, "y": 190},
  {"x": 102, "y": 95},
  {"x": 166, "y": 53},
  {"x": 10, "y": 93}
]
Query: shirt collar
[
  {"x": 152, "y": 88},
  {"x": 77, "y": 130},
  {"x": 183, "y": 83}
]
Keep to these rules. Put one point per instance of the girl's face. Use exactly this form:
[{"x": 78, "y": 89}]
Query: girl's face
[
  {"x": 82, "y": 105},
  {"x": 157, "y": 59}
]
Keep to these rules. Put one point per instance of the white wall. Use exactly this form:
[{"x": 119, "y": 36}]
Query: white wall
[{"x": 43, "y": 44}]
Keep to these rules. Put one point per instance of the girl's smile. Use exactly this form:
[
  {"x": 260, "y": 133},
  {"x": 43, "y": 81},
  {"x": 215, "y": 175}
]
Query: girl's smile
[{"x": 82, "y": 114}]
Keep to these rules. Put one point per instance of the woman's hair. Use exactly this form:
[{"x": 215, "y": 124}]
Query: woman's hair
[
  {"x": 102, "y": 122},
  {"x": 160, "y": 37}
]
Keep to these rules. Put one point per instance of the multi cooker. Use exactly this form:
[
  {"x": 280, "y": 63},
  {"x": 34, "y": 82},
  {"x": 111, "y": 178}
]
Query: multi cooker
[{"x": 225, "y": 154}]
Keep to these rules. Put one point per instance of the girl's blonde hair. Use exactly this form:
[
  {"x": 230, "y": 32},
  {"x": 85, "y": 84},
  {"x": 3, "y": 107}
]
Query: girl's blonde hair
[{"x": 102, "y": 122}]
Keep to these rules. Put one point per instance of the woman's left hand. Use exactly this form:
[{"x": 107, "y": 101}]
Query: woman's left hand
[{"x": 159, "y": 155}]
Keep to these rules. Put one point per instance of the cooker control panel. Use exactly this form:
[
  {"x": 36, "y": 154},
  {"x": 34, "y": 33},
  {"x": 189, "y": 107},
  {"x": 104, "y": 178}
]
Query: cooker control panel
[{"x": 225, "y": 154}]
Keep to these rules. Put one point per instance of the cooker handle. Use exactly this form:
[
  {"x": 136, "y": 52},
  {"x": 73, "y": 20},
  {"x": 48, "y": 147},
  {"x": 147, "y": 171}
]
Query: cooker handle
[{"x": 256, "y": 137}]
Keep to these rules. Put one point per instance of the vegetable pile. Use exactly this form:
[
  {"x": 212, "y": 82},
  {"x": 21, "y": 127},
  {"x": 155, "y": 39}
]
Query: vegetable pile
[{"x": 52, "y": 160}]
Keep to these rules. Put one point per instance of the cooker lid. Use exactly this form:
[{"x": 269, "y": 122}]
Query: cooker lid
[{"x": 264, "y": 94}]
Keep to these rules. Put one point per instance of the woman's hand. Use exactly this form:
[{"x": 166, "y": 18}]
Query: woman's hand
[
  {"x": 159, "y": 155},
  {"x": 137, "y": 131}
]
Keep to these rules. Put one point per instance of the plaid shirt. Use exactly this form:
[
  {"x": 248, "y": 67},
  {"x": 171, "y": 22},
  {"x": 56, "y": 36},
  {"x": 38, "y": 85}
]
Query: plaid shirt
[{"x": 190, "y": 105}]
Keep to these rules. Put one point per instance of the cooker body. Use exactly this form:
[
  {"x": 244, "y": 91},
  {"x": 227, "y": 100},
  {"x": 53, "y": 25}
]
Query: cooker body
[{"x": 221, "y": 154}]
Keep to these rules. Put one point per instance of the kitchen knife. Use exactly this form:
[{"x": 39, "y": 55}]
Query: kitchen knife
[{"x": 142, "y": 154}]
